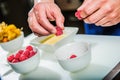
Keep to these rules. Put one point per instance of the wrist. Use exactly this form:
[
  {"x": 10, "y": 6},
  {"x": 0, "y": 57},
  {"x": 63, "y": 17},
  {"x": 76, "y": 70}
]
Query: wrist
[{"x": 37, "y": 1}]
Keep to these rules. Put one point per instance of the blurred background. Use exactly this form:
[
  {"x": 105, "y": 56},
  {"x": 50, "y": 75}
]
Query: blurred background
[{"x": 16, "y": 12}]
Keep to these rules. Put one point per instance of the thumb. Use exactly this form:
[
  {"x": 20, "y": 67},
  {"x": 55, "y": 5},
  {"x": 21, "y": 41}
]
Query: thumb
[{"x": 84, "y": 4}]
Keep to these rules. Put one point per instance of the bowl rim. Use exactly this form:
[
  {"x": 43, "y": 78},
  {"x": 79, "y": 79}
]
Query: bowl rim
[
  {"x": 85, "y": 52},
  {"x": 21, "y": 35}
]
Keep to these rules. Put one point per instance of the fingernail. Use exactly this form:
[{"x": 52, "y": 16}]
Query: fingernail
[
  {"x": 51, "y": 19},
  {"x": 62, "y": 26}
]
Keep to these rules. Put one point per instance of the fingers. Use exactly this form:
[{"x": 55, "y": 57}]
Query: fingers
[
  {"x": 42, "y": 18},
  {"x": 98, "y": 16},
  {"x": 49, "y": 16},
  {"x": 112, "y": 17},
  {"x": 113, "y": 22},
  {"x": 59, "y": 20},
  {"x": 88, "y": 7},
  {"x": 100, "y": 12},
  {"x": 35, "y": 26},
  {"x": 84, "y": 4},
  {"x": 57, "y": 14}
]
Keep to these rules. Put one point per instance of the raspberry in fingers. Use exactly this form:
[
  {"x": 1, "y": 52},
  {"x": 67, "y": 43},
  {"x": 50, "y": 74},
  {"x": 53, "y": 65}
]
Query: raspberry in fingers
[{"x": 78, "y": 14}]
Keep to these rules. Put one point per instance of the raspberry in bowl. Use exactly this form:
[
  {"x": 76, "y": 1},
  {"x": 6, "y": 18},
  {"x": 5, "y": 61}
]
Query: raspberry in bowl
[
  {"x": 24, "y": 60},
  {"x": 74, "y": 56}
]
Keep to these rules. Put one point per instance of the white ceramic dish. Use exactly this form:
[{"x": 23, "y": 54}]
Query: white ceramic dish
[
  {"x": 82, "y": 59},
  {"x": 14, "y": 44},
  {"x": 69, "y": 32},
  {"x": 27, "y": 65}
]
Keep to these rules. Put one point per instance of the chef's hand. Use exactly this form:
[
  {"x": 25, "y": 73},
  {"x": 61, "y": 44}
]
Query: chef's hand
[
  {"x": 101, "y": 12},
  {"x": 40, "y": 16}
]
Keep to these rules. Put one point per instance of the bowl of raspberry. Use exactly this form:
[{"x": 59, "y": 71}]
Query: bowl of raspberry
[
  {"x": 74, "y": 56},
  {"x": 24, "y": 60}
]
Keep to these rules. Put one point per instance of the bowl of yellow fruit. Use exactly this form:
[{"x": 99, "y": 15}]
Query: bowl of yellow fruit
[{"x": 11, "y": 37}]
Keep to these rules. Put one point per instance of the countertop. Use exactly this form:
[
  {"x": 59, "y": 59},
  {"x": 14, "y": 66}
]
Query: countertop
[{"x": 105, "y": 52}]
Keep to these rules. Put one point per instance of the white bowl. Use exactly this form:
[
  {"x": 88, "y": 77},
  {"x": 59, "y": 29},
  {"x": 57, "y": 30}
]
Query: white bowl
[
  {"x": 14, "y": 44},
  {"x": 80, "y": 49},
  {"x": 69, "y": 33},
  {"x": 27, "y": 65}
]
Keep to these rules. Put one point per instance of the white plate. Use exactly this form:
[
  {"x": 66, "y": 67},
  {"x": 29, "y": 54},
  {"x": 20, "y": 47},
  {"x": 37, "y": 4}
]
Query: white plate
[{"x": 69, "y": 32}]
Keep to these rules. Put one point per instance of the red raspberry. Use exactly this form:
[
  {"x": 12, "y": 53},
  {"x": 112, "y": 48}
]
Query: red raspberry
[
  {"x": 26, "y": 52},
  {"x": 59, "y": 31},
  {"x": 23, "y": 57},
  {"x": 10, "y": 58},
  {"x": 29, "y": 48},
  {"x": 32, "y": 53},
  {"x": 20, "y": 51},
  {"x": 73, "y": 56},
  {"x": 77, "y": 14},
  {"x": 17, "y": 55},
  {"x": 15, "y": 60}
]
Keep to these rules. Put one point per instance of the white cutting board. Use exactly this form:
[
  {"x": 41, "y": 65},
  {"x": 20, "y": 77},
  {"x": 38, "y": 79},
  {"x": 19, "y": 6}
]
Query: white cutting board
[{"x": 105, "y": 55}]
